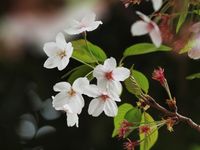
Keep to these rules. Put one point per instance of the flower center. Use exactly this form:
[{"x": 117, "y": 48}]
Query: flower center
[
  {"x": 109, "y": 75},
  {"x": 150, "y": 27},
  {"x": 71, "y": 92},
  {"x": 145, "y": 129},
  {"x": 104, "y": 97},
  {"x": 62, "y": 54}
]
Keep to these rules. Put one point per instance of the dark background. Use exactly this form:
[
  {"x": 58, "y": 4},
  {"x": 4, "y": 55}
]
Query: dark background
[{"x": 25, "y": 85}]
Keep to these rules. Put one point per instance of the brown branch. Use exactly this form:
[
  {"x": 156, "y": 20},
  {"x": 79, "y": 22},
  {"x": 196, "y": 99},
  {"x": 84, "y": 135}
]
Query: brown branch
[{"x": 152, "y": 103}]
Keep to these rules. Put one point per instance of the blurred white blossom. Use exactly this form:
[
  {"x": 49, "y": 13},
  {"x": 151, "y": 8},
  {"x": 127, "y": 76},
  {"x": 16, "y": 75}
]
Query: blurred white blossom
[
  {"x": 86, "y": 23},
  {"x": 145, "y": 26}
]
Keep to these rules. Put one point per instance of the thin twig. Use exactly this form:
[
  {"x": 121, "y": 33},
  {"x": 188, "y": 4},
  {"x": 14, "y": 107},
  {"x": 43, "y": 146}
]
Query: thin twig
[{"x": 152, "y": 103}]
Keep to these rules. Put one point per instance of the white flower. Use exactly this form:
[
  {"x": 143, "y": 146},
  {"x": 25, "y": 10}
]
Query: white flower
[
  {"x": 87, "y": 23},
  {"x": 59, "y": 53},
  {"x": 103, "y": 101},
  {"x": 145, "y": 26},
  {"x": 109, "y": 75},
  {"x": 157, "y": 4},
  {"x": 70, "y": 97}
]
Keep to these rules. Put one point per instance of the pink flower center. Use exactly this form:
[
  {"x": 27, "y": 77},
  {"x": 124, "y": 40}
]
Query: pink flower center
[
  {"x": 109, "y": 75},
  {"x": 104, "y": 97},
  {"x": 150, "y": 27}
]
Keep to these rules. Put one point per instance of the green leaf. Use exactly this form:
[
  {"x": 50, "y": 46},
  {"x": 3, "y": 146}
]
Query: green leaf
[
  {"x": 82, "y": 71},
  {"x": 133, "y": 115},
  {"x": 72, "y": 70},
  {"x": 89, "y": 54},
  {"x": 150, "y": 139},
  {"x": 197, "y": 12},
  {"x": 122, "y": 110},
  {"x": 193, "y": 76},
  {"x": 141, "y": 80},
  {"x": 137, "y": 83},
  {"x": 183, "y": 15},
  {"x": 144, "y": 48}
]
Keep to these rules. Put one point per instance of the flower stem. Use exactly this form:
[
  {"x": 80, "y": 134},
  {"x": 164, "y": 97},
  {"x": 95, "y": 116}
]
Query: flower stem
[
  {"x": 86, "y": 43},
  {"x": 83, "y": 62},
  {"x": 121, "y": 61}
]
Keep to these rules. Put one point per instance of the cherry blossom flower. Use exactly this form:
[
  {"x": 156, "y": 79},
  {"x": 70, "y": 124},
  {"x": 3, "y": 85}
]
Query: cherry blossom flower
[
  {"x": 59, "y": 53},
  {"x": 103, "y": 101},
  {"x": 109, "y": 75},
  {"x": 87, "y": 23},
  {"x": 145, "y": 26},
  {"x": 70, "y": 97}
]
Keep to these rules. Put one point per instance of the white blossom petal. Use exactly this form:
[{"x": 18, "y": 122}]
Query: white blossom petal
[
  {"x": 110, "y": 108},
  {"x": 76, "y": 103},
  {"x": 94, "y": 25},
  {"x": 143, "y": 17},
  {"x": 99, "y": 72},
  {"x": 96, "y": 107},
  {"x": 72, "y": 119},
  {"x": 121, "y": 73},
  {"x": 50, "y": 49},
  {"x": 110, "y": 64},
  {"x": 156, "y": 4},
  {"x": 60, "y": 41},
  {"x": 114, "y": 86},
  {"x": 51, "y": 62},
  {"x": 62, "y": 86},
  {"x": 63, "y": 63},
  {"x": 139, "y": 28},
  {"x": 88, "y": 18},
  {"x": 69, "y": 50},
  {"x": 156, "y": 36},
  {"x": 60, "y": 100},
  {"x": 80, "y": 84},
  {"x": 92, "y": 91}
]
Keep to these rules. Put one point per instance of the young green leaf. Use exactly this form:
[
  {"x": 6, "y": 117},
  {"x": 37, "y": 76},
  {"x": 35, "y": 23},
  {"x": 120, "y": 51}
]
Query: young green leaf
[
  {"x": 88, "y": 54},
  {"x": 149, "y": 139},
  {"x": 141, "y": 80},
  {"x": 133, "y": 115},
  {"x": 82, "y": 71},
  {"x": 193, "y": 76},
  {"x": 137, "y": 83},
  {"x": 144, "y": 48},
  {"x": 122, "y": 110},
  {"x": 183, "y": 15}
]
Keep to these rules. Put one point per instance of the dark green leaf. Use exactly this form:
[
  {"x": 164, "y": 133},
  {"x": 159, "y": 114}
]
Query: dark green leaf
[
  {"x": 89, "y": 54},
  {"x": 148, "y": 139},
  {"x": 133, "y": 115},
  {"x": 144, "y": 48},
  {"x": 81, "y": 72},
  {"x": 122, "y": 110}
]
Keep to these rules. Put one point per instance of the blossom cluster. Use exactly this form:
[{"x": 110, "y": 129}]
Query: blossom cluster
[{"x": 105, "y": 93}]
